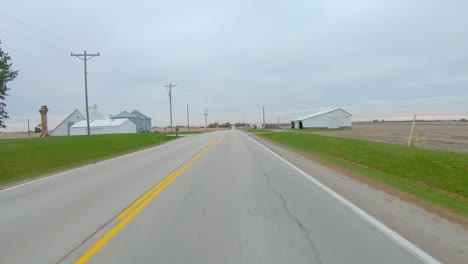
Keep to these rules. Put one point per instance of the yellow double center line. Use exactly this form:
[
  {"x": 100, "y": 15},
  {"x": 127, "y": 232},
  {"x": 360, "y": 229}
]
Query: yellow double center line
[{"x": 136, "y": 207}]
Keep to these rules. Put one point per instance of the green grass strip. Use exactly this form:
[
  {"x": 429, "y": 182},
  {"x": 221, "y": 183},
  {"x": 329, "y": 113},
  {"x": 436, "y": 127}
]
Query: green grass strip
[
  {"x": 253, "y": 130},
  {"x": 26, "y": 158},
  {"x": 440, "y": 177},
  {"x": 310, "y": 130}
]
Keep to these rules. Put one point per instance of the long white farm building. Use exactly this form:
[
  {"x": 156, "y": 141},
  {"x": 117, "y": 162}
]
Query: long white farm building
[
  {"x": 334, "y": 118},
  {"x": 100, "y": 127}
]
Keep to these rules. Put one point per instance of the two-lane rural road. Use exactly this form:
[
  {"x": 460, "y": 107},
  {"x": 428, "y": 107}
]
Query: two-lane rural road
[{"x": 213, "y": 198}]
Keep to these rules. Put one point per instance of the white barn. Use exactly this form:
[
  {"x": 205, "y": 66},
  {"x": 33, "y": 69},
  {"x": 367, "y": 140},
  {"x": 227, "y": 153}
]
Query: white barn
[
  {"x": 63, "y": 129},
  {"x": 99, "y": 127},
  {"x": 334, "y": 118}
]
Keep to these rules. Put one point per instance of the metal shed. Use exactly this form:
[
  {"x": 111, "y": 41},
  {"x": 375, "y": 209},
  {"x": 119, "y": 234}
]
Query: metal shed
[
  {"x": 334, "y": 118},
  {"x": 142, "y": 122}
]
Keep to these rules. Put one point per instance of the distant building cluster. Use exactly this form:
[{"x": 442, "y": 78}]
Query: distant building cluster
[{"x": 122, "y": 123}]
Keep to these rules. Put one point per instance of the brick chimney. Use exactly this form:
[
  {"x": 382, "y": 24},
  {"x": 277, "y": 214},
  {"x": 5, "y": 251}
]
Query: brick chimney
[{"x": 44, "y": 131}]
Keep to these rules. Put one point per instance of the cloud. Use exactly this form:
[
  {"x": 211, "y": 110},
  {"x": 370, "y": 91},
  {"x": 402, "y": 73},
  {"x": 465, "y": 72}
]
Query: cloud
[{"x": 371, "y": 57}]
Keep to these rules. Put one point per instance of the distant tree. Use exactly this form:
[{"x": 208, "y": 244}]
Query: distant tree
[
  {"x": 242, "y": 125},
  {"x": 37, "y": 129},
  {"x": 6, "y": 75},
  {"x": 213, "y": 125},
  {"x": 463, "y": 120},
  {"x": 227, "y": 124}
]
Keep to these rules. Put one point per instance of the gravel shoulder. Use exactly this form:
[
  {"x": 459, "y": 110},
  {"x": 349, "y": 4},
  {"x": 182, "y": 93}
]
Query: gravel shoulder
[{"x": 440, "y": 233}]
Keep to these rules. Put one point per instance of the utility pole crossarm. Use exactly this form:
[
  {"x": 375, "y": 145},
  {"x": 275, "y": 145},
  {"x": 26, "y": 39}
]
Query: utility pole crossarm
[{"x": 85, "y": 54}]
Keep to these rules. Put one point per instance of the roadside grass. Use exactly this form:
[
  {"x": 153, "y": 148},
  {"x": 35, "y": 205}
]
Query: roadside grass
[
  {"x": 21, "y": 159},
  {"x": 312, "y": 130},
  {"x": 440, "y": 177},
  {"x": 253, "y": 130}
]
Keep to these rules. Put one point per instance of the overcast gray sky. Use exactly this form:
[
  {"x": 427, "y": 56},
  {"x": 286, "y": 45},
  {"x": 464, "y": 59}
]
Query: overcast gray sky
[{"x": 374, "y": 58}]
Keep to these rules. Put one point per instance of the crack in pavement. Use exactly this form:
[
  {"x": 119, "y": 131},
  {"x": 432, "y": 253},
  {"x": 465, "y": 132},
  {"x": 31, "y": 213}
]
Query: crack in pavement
[
  {"x": 301, "y": 226},
  {"x": 304, "y": 230}
]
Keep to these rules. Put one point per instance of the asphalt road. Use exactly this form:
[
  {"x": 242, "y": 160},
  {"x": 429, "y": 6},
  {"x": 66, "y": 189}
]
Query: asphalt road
[{"x": 213, "y": 198}]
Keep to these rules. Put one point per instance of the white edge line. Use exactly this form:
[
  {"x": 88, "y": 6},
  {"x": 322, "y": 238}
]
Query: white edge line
[
  {"x": 392, "y": 235},
  {"x": 84, "y": 166}
]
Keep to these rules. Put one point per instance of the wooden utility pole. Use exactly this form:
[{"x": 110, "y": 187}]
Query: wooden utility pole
[
  {"x": 85, "y": 57},
  {"x": 29, "y": 130},
  {"x": 188, "y": 120},
  {"x": 169, "y": 90},
  {"x": 263, "y": 118},
  {"x": 206, "y": 122}
]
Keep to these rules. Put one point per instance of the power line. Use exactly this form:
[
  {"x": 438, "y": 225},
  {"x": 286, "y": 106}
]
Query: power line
[
  {"x": 85, "y": 57},
  {"x": 56, "y": 36},
  {"x": 34, "y": 40},
  {"x": 26, "y": 53}
]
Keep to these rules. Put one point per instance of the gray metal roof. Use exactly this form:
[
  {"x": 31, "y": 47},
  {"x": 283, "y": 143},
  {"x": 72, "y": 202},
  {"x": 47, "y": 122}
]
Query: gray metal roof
[
  {"x": 124, "y": 114},
  {"x": 140, "y": 115},
  {"x": 318, "y": 114}
]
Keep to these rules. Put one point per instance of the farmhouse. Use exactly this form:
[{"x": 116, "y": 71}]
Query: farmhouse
[
  {"x": 334, "y": 118},
  {"x": 63, "y": 129},
  {"x": 99, "y": 127},
  {"x": 142, "y": 122}
]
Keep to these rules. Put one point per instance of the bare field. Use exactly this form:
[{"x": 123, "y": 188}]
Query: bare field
[
  {"x": 450, "y": 136},
  {"x": 18, "y": 135}
]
